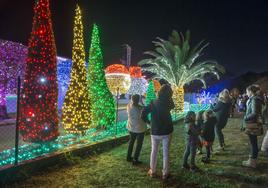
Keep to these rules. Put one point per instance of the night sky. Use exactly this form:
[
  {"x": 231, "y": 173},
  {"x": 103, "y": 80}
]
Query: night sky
[{"x": 237, "y": 30}]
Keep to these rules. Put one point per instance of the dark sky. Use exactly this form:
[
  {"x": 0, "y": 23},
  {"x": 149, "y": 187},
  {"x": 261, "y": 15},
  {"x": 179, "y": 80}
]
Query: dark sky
[{"x": 237, "y": 30}]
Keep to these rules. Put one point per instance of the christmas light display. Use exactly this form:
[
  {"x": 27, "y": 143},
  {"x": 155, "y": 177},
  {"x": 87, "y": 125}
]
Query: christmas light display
[
  {"x": 38, "y": 117},
  {"x": 138, "y": 83},
  {"x": 63, "y": 76},
  {"x": 102, "y": 101},
  {"x": 76, "y": 106},
  {"x": 135, "y": 72},
  {"x": 118, "y": 76},
  {"x": 157, "y": 85},
  {"x": 12, "y": 63},
  {"x": 150, "y": 94},
  {"x": 33, "y": 150},
  {"x": 138, "y": 86},
  {"x": 176, "y": 62},
  {"x": 199, "y": 107}
]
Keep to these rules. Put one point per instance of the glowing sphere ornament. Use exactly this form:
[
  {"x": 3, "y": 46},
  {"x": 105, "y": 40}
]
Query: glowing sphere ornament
[{"x": 117, "y": 76}]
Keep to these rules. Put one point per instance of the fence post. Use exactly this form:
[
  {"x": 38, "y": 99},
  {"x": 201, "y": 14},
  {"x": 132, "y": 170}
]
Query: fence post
[
  {"x": 17, "y": 124},
  {"x": 117, "y": 100}
]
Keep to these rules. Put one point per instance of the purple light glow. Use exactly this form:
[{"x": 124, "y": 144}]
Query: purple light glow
[{"x": 12, "y": 63}]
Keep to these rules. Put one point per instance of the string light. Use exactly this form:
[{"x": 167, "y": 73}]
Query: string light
[
  {"x": 150, "y": 94},
  {"x": 182, "y": 68},
  {"x": 102, "y": 101},
  {"x": 40, "y": 79},
  {"x": 117, "y": 76},
  {"x": 76, "y": 106}
]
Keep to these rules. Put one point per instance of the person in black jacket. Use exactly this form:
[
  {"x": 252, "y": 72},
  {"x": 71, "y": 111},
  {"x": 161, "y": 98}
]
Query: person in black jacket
[
  {"x": 208, "y": 133},
  {"x": 253, "y": 116},
  {"x": 161, "y": 127},
  {"x": 192, "y": 133},
  {"x": 222, "y": 112}
]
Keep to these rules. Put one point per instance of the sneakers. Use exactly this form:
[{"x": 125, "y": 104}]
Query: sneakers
[
  {"x": 129, "y": 159},
  {"x": 151, "y": 174},
  {"x": 205, "y": 160},
  {"x": 185, "y": 167},
  {"x": 251, "y": 163},
  {"x": 194, "y": 169},
  {"x": 136, "y": 162},
  {"x": 166, "y": 176}
]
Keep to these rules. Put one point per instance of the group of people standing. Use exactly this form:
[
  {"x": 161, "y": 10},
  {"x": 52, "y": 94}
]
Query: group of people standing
[{"x": 200, "y": 128}]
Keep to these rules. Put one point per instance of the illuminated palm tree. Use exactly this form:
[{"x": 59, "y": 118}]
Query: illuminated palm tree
[{"x": 174, "y": 61}]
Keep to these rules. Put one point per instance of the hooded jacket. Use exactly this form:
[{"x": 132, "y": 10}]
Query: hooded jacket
[
  {"x": 254, "y": 109},
  {"x": 161, "y": 121},
  {"x": 222, "y": 112}
]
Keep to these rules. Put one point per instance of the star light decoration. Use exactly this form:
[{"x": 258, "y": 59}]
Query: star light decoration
[{"x": 117, "y": 76}]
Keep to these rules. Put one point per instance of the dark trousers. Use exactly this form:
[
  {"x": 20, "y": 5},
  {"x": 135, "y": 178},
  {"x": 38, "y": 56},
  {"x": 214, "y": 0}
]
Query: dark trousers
[
  {"x": 254, "y": 146},
  {"x": 220, "y": 136},
  {"x": 132, "y": 139},
  {"x": 208, "y": 150},
  {"x": 189, "y": 150}
]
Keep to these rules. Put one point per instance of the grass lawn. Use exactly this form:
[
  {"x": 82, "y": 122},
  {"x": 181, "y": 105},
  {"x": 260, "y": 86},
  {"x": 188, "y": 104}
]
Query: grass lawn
[{"x": 110, "y": 169}]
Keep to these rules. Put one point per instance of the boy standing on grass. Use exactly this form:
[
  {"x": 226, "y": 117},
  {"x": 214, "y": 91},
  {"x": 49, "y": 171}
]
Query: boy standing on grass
[
  {"x": 208, "y": 133},
  {"x": 192, "y": 138}
]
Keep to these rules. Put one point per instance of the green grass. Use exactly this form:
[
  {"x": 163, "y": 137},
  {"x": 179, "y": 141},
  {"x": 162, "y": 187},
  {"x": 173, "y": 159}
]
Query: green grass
[{"x": 110, "y": 169}]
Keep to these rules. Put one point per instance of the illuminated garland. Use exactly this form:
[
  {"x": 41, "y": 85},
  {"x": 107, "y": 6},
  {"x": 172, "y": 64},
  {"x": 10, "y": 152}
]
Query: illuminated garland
[
  {"x": 102, "y": 101},
  {"x": 199, "y": 107},
  {"x": 150, "y": 94},
  {"x": 76, "y": 106},
  {"x": 117, "y": 76},
  {"x": 38, "y": 115}
]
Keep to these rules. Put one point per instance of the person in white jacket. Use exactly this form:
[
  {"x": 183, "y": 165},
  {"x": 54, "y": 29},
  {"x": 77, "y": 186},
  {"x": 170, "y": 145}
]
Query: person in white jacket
[
  {"x": 136, "y": 127},
  {"x": 264, "y": 146}
]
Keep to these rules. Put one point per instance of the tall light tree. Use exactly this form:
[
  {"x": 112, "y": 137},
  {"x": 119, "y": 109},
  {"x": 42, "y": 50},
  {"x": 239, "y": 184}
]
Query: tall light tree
[
  {"x": 103, "y": 103},
  {"x": 38, "y": 118},
  {"x": 176, "y": 62},
  {"x": 76, "y": 106}
]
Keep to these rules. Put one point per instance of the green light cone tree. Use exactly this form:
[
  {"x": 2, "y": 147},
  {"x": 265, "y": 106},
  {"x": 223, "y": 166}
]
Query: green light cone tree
[
  {"x": 150, "y": 94},
  {"x": 176, "y": 62},
  {"x": 102, "y": 101},
  {"x": 76, "y": 106}
]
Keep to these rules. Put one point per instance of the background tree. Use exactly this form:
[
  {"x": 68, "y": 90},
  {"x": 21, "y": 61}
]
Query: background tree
[
  {"x": 176, "y": 62},
  {"x": 76, "y": 106},
  {"x": 103, "y": 103},
  {"x": 150, "y": 94},
  {"x": 38, "y": 114}
]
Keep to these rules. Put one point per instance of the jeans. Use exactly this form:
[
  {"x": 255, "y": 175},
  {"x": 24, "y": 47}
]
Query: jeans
[
  {"x": 155, "y": 141},
  {"x": 190, "y": 149},
  {"x": 254, "y": 146},
  {"x": 133, "y": 137},
  {"x": 220, "y": 136}
]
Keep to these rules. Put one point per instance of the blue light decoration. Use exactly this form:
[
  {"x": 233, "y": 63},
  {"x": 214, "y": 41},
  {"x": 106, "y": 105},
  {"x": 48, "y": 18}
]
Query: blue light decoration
[
  {"x": 217, "y": 88},
  {"x": 63, "y": 76}
]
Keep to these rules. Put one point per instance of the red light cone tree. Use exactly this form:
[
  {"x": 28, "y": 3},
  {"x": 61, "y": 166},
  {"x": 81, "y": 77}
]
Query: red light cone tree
[{"x": 38, "y": 114}]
